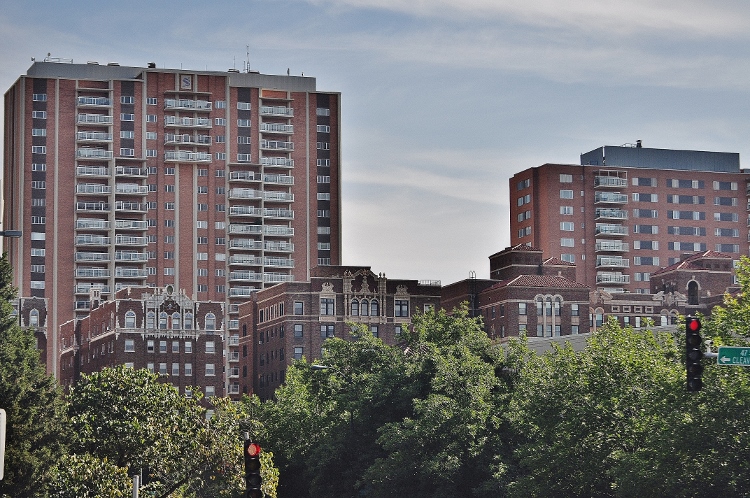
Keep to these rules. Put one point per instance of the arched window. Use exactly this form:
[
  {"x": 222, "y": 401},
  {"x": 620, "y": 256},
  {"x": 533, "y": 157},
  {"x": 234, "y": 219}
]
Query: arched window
[
  {"x": 150, "y": 320},
  {"x": 188, "y": 321},
  {"x": 130, "y": 319},
  {"x": 365, "y": 310},
  {"x": 693, "y": 293},
  {"x": 163, "y": 320},
  {"x": 34, "y": 318},
  {"x": 355, "y": 307},
  {"x": 374, "y": 308},
  {"x": 210, "y": 321},
  {"x": 175, "y": 321}
]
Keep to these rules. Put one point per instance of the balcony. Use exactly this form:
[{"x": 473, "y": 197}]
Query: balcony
[
  {"x": 234, "y": 356},
  {"x": 93, "y": 136},
  {"x": 94, "y": 153},
  {"x": 612, "y": 278},
  {"x": 241, "y": 291},
  {"x": 92, "y": 273},
  {"x": 234, "y": 325},
  {"x": 278, "y": 246},
  {"x": 277, "y": 277},
  {"x": 92, "y": 171},
  {"x": 611, "y": 214},
  {"x": 234, "y": 372},
  {"x": 246, "y": 244},
  {"x": 93, "y": 188},
  {"x": 101, "y": 207},
  {"x": 94, "y": 119},
  {"x": 170, "y": 138},
  {"x": 612, "y": 246},
  {"x": 279, "y": 111},
  {"x": 286, "y": 129},
  {"x": 612, "y": 262},
  {"x": 233, "y": 389},
  {"x": 186, "y": 156},
  {"x": 610, "y": 182},
  {"x": 277, "y": 162},
  {"x": 609, "y": 229},
  {"x": 130, "y": 273},
  {"x": 131, "y": 189},
  {"x": 245, "y": 193},
  {"x": 98, "y": 257},
  {"x": 130, "y": 225},
  {"x": 234, "y": 340},
  {"x": 94, "y": 102},
  {"x": 126, "y": 240},
  {"x": 130, "y": 207},
  {"x": 174, "y": 121},
  {"x": 91, "y": 224},
  {"x": 285, "y": 214},
  {"x": 141, "y": 257},
  {"x": 278, "y": 196},
  {"x": 278, "y": 262},
  {"x": 245, "y": 259},
  {"x": 87, "y": 288},
  {"x": 245, "y": 276},
  {"x": 245, "y": 211},
  {"x": 187, "y": 104},
  {"x": 277, "y": 145},
  {"x": 278, "y": 179},
  {"x": 92, "y": 240},
  {"x": 277, "y": 230},
  {"x": 246, "y": 229},
  {"x": 131, "y": 171},
  {"x": 610, "y": 198},
  {"x": 244, "y": 176}
]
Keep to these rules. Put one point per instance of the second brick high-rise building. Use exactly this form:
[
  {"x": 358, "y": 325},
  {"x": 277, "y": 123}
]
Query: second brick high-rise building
[{"x": 216, "y": 183}]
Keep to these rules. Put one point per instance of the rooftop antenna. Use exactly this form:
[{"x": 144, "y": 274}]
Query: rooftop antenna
[{"x": 247, "y": 54}]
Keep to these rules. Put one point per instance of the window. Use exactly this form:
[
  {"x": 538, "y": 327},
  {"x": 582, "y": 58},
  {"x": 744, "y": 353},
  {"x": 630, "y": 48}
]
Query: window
[
  {"x": 567, "y": 242},
  {"x": 188, "y": 369},
  {"x": 327, "y": 331},
  {"x": 175, "y": 369},
  {"x": 220, "y": 121},
  {"x": 298, "y": 351},
  {"x": 324, "y": 129},
  {"x": 566, "y": 178},
  {"x": 243, "y": 106},
  {"x": 39, "y": 97},
  {"x": 401, "y": 307},
  {"x": 151, "y": 118},
  {"x": 188, "y": 346},
  {"x": 725, "y": 185},
  {"x": 244, "y": 123},
  {"x": 163, "y": 368},
  {"x": 38, "y": 132},
  {"x": 327, "y": 306},
  {"x": 39, "y": 114},
  {"x": 152, "y": 101},
  {"x": 324, "y": 179},
  {"x": 130, "y": 322},
  {"x": 323, "y": 145},
  {"x": 568, "y": 258},
  {"x": 127, "y": 117},
  {"x": 38, "y": 167},
  {"x": 175, "y": 344},
  {"x": 567, "y": 210},
  {"x": 726, "y": 217},
  {"x": 129, "y": 345},
  {"x": 210, "y": 322},
  {"x": 210, "y": 347},
  {"x": 645, "y": 213},
  {"x": 38, "y": 149},
  {"x": 324, "y": 196},
  {"x": 567, "y": 226},
  {"x": 298, "y": 330},
  {"x": 521, "y": 308},
  {"x": 725, "y": 201},
  {"x": 162, "y": 344},
  {"x": 210, "y": 393},
  {"x": 574, "y": 310},
  {"x": 210, "y": 369},
  {"x": 566, "y": 194}
]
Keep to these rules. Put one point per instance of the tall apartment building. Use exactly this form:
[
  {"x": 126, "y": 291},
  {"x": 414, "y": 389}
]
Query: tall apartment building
[
  {"x": 626, "y": 212},
  {"x": 216, "y": 183}
]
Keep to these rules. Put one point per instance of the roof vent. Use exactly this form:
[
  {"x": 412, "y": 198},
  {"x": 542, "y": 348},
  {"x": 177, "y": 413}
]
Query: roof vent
[
  {"x": 152, "y": 65},
  {"x": 233, "y": 70},
  {"x": 113, "y": 63}
]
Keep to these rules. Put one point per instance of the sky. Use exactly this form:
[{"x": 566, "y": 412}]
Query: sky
[{"x": 443, "y": 101}]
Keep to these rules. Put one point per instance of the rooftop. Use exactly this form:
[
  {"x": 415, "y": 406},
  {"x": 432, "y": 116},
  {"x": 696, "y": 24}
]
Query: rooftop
[{"x": 642, "y": 157}]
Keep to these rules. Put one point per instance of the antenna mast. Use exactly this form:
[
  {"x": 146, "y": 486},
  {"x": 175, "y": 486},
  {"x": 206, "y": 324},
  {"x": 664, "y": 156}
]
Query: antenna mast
[{"x": 247, "y": 60}]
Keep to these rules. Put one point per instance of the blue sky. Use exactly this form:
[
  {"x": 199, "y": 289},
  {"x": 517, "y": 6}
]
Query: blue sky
[{"x": 443, "y": 100}]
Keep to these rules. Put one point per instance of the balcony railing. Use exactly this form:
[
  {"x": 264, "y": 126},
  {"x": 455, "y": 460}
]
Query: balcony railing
[
  {"x": 278, "y": 196},
  {"x": 87, "y": 288},
  {"x": 131, "y": 171},
  {"x": 245, "y": 259},
  {"x": 92, "y": 240},
  {"x": 245, "y": 211},
  {"x": 197, "y": 105},
  {"x": 279, "y": 162},
  {"x": 92, "y": 171},
  {"x": 92, "y": 206},
  {"x": 612, "y": 246},
  {"x": 612, "y": 214},
  {"x": 246, "y": 276},
  {"x": 93, "y": 136},
  {"x": 186, "y": 156},
  {"x": 281, "y": 111},
  {"x": 130, "y": 225},
  {"x": 244, "y": 176},
  {"x": 286, "y": 214},
  {"x": 612, "y": 262},
  {"x": 277, "y": 277},
  {"x": 278, "y": 179},
  {"x": 276, "y": 145},
  {"x": 131, "y": 256},
  {"x": 187, "y": 122},
  {"x": 171, "y": 138},
  {"x": 610, "y": 198},
  {"x": 93, "y": 188},
  {"x": 612, "y": 278},
  {"x": 241, "y": 291},
  {"x": 246, "y": 244},
  {"x": 127, "y": 240},
  {"x": 91, "y": 224},
  {"x": 99, "y": 119},
  {"x": 91, "y": 153},
  {"x": 278, "y": 246},
  {"x": 610, "y": 181},
  {"x": 131, "y": 273},
  {"x": 277, "y": 128},
  {"x": 234, "y": 356},
  {"x": 135, "y": 207},
  {"x": 607, "y": 229},
  {"x": 99, "y": 257},
  {"x": 95, "y": 101},
  {"x": 92, "y": 273},
  {"x": 131, "y": 189}
]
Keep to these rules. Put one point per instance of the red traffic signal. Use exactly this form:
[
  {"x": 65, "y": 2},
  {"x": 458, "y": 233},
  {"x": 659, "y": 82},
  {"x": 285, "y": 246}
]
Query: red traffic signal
[
  {"x": 692, "y": 324},
  {"x": 253, "y": 478},
  {"x": 252, "y": 449},
  {"x": 693, "y": 353}
]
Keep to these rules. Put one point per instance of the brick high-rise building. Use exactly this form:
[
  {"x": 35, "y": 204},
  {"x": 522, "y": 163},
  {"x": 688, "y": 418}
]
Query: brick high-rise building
[
  {"x": 626, "y": 212},
  {"x": 218, "y": 183}
]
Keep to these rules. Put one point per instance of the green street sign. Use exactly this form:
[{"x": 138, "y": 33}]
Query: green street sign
[{"x": 732, "y": 355}]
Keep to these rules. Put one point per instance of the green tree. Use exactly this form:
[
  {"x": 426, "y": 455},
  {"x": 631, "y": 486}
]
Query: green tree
[
  {"x": 36, "y": 430},
  {"x": 134, "y": 422}
]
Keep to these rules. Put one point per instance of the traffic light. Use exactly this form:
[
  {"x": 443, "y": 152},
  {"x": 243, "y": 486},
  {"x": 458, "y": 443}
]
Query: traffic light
[
  {"x": 693, "y": 353},
  {"x": 253, "y": 479}
]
